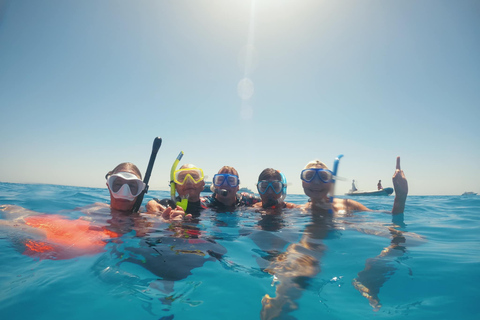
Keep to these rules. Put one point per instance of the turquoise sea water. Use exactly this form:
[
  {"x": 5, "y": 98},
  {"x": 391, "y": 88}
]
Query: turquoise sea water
[{"x": 218, "y": 262}]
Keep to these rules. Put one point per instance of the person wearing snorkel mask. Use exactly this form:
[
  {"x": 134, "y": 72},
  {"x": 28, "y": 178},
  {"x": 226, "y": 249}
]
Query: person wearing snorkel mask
[
  {"x": 125, "y": 184},
  {"x": 57, "y": 236},
  {"x": 318, "y": 181},
  {"x": 225, "y": 186},
  {"x": 189, "y": 182},
  {"x": 302, "y": 261},
  {"x": 272, "y": 186}
]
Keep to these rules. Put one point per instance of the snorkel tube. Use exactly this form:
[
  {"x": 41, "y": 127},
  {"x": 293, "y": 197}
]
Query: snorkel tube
[
  {"x": 335, "y": 169},
  {"x": 184, "y": 202},
  {"x": 157, "y": 142}
]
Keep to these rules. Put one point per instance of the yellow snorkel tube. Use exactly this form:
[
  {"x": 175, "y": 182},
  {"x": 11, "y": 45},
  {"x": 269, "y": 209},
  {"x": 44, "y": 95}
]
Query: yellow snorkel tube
[{"x": 184, "y": 202}]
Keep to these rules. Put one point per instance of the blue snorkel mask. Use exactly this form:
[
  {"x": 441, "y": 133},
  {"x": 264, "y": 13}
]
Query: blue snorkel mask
[{"x": 278, "y": 187}]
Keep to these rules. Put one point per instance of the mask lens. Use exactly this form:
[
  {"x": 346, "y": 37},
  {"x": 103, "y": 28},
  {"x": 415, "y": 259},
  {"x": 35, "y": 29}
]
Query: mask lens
[
  {"x": 262, "y": 186},
  {"x": 232, "y": 180},
  {"x": 325, "y": 175},
  {"x": 218, "y": 179},
  {"x": 116, "y": 183},
  {"x": 308, "y": 175},
  {"x": 277, "y": 186}
]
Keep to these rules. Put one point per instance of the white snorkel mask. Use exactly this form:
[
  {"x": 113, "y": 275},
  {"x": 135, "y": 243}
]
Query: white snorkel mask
[{"x": 125, "y": 185}]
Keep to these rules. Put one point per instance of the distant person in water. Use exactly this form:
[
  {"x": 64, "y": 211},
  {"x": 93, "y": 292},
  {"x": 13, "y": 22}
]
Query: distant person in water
[
  {"x": 272, "y": 187},
  {"x": 354, "y": 188},
  {"x": 317, "y": 182},
  {"x": 225, "y": 186},
  {"x": 189, "y": 182}
]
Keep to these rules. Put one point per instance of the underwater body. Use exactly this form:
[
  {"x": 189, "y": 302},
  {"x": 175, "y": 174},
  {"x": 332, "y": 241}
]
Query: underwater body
[{"x": 234, "y": 264}]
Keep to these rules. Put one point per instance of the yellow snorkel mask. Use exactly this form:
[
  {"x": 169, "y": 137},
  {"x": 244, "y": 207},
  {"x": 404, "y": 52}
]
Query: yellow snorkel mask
[{"x": 181, "y": 176}]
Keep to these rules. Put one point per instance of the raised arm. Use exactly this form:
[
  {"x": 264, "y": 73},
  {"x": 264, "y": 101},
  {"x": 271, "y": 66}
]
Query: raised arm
[{"x": 401, "y": 189}]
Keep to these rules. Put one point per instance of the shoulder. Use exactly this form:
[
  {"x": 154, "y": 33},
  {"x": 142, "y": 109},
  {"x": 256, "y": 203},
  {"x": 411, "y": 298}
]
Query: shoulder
[
  {"x": 247, "y": 199},
  {"x": 291, "y": 205}
]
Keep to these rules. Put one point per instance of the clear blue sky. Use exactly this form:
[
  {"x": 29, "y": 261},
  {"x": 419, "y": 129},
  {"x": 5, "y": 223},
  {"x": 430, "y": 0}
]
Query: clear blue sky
[{"x": 85, "y": 85}]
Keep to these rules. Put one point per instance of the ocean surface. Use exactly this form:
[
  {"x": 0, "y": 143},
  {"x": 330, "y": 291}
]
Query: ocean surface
[{"x": 424, "y": 264}]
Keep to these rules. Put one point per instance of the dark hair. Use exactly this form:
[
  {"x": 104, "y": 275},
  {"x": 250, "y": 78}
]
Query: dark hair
[
  {"x": 125, "y": 166},
  {"x": 270, "y": 173}
]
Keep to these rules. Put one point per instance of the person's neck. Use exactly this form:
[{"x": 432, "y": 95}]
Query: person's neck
[{"x": 320, "y": 202}]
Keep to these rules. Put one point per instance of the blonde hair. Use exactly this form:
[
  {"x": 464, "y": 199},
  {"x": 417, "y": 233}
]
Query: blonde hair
[{"x": 316, "y": 164}]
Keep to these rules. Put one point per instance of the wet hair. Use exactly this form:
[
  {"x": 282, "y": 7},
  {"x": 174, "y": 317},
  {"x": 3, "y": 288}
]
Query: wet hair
[
  {"x": 316, "y": 164},
  {"x": 125, "y": 166},
  {"x": 270, "y": 174},
  {"x": 228, "y": 170}
]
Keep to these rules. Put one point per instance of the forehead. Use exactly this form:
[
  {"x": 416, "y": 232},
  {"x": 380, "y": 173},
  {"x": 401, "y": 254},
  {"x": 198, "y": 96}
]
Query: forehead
[
  {"x": 316, "y": 166},
  {"x": 227, "y": 171},
  {"x": 129, "y": 171}
]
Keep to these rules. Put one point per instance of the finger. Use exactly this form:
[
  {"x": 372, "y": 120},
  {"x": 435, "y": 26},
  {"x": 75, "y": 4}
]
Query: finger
[{"x": 398, "y": 163}]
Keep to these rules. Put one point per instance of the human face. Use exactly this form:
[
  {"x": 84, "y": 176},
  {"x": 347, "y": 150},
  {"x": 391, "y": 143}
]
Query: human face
[
  {"x": 228, "y": 182},
  {"x": 316, "y": 189},
  {"x": 270, "y": 190},
  {"x": 124, "y": 187},
  {"x": 189, "y": 187}
]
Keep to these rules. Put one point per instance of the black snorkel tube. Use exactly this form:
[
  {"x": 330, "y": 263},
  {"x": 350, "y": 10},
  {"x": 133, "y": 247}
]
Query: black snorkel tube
[{"x": 157, "y": 142}]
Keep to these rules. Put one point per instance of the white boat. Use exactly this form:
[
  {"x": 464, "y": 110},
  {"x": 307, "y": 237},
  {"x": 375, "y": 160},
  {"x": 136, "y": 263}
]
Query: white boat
[
  {"x": 469, "y": 193},
  {"x": 381, "y": 192}
]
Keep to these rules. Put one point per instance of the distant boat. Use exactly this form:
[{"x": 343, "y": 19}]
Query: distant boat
[
  {"x": 469, "y": 193},
  {"x": 207, "y": 187},
  {"x": 245, "y": 190},
  {"x": 381, "y": 192}
]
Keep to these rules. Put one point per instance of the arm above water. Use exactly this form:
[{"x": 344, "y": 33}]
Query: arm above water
[{"x": 400, "y": 185}]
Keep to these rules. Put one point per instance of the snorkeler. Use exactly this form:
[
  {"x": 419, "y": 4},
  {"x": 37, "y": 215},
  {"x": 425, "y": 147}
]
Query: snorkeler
[
  {"x": 318, "y": 183},
  {"x": 301, "y": 261},
  {"x": 272, "y": 186},
  {"x": 189, "y": 183},
  {"x": 55, "y": 236},
  {"x": 226, "y": 184}
]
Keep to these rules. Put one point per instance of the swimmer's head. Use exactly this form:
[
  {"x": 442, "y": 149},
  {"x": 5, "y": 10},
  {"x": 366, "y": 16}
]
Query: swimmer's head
[
  {"x": 272, "y": 187},
  {"x": 316, "y": 189},
  {"x": 193, "y": 184},
  {"x": 127, "y": 187},
  {"x": 226, "y": 184}
]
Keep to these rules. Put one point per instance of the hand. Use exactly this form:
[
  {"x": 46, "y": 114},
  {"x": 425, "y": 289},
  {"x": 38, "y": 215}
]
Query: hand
[
  {"x": 399, "y": 181},
  {"x": 154, "y": 207},
  {"x": 176, "y": 214}
]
